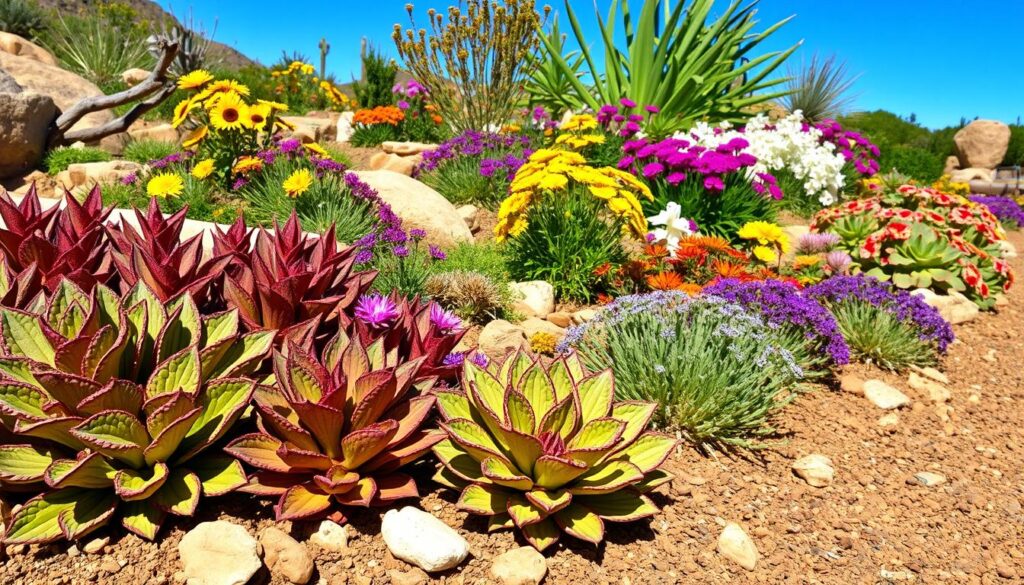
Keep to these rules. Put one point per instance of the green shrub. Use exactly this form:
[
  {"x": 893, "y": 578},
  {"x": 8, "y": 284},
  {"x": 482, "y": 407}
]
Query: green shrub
[
  {"x": 717, "y": 371},
  {"x": 59, "y": 159},
  {"x": 473, "y": 281},
  {"x": 568, "y": 239},
  {"x": 102, "y": 44},
  {"x": 1015, "y": 151},
  {"x": 22, "y": 18},
  {"x": 373, "y": 135},
  {"x": 405, "y": 268},
  {"x": 144, "y": 151},
  {"x": 378, "y": 79},
  {"x": 917, "y": 162}
]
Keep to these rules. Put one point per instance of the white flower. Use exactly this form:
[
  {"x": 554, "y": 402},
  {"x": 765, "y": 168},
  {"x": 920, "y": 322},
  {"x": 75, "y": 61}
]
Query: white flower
[{"x": 675, "y": 228}]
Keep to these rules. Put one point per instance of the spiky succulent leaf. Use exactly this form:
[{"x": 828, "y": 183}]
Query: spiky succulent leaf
[{"x": 546, "y": 449}]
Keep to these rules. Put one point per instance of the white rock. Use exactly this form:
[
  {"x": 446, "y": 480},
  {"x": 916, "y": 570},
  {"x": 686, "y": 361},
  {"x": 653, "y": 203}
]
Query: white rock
[
  {"x": 954, "y": 307},
  {"x": 533, "y": 325},
  {"x": 815, "y": 469},
  {"x": 1008, "y": 249},
  {"x": 330, "y": 536},
  {"x": 536, "y": 294},
  {"x": 583, "y": 315},
  {"x": 884, "y": 396},
  {"x": 499, "y": 338},
  {"x": 419, "y": 206},
  {"x": 422, "y": 540},
  {"x": 519, "y": 566},
  {"x": 928, "y": 479},
  {"x": 345, "y": 127},
  {"x": 96, "y": 545},
  {"x": 219, "y": 553},
  {"x": 936, "y": 392},
  {"x": 930, "y": 372},
  {"x": 735, "y": 545},
  {"x": 889, "y": 420},
  {"x": 286, "y": 557}
]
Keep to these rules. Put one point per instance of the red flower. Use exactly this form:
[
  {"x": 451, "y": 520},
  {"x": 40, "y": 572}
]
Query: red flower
[
  {"x": 971, "y": 274},
  {"x": 897, "y": 230}
]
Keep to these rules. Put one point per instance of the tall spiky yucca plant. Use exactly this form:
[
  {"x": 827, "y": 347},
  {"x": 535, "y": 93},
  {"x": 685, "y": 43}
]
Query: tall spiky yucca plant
[{"x": 820, "y": 89}]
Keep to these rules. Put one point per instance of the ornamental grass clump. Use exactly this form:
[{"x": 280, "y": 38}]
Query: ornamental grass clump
[
  {"x": 546, "y": 449},
  {"x": 113, "y": 405},
  {"x": 476, "y": 61},
  {"x": 882, "y": 324},
  {"x": 717, "y": 370},
  {"x": 806, "y": 328},
  {"x": 337, "y": 427}
]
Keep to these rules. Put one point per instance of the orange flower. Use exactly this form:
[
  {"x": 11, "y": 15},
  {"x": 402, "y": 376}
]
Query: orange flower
[
  {"x": 690, "y": 289},
  {"x": 655, "y": 251},
  {"x": 665, "y": 281},
  {"x": 380, "y": 115},
  {"x": 602, "y": 270},
  {"x": 726, "y": 269},
  {"x": 604, "y": 299}
]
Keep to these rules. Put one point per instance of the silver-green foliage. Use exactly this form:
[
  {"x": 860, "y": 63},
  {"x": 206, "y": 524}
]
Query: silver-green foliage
[
  {"x": 718, "y": 371},
  {"x": 691, "y": 65}
]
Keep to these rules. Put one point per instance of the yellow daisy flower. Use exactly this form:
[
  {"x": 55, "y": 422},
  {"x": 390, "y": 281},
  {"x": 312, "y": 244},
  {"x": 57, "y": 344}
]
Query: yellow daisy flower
[
  {"x": 165, "y": 185},
  {"x": 203, "y": 169},
  {"x": 765, "y": 254},
  {"x": 228, "y": 85},
  {"x": 246, "y": 164},
  {"x": 194, "y": 79},
  {"x": 298, "y": 183},
  {"x": 276, "y": 106},
  {"x": 580, "y": 122},
  {"x": 317, "y": 149},
  {"x": 230, "y": 113},
  {"x": 195, "y": 137},
  {"x": 182, "y": 110},
  {"x": 258, "y": 115}
]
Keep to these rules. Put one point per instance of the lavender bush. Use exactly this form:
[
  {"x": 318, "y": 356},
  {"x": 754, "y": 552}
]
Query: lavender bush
[
  {"x": 806, "y": 328},
  {"x": 475, "y": 167},
  {"x": 718, "y": 370},
  {"x": 1006, "y": 209},
  {"x": 883, "y": 324}
]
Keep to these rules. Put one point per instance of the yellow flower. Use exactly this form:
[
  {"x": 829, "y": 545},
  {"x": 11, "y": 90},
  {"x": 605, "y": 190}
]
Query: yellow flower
[
  {"x": 298, "y": 183},
  {"x": 258, "y": 115},
  {"x": 580, "y": 122},
  {"x": 182, "y": 110},
  {"x": 765, "y": 233},
  {"x": 165, "y": 185},
  {"x": 806, "y": 261},
  {"x": 575, "y": 141},
  {"x": 230, "y": 113},
  {"x": 276, "y": 106},
  {"x": 195, "y": 137},
  {"x": 553, "y": 182},
  {"x": 317, "y": 149},
  {"x": 194, "y": 79},
  {"x": 227, "y": 85},
  {"x": 203, "y": 169},
  {"x": 765, "y": 254},
  {"x": 246, "y": 164},
  {"x": 307, "y": 69}
]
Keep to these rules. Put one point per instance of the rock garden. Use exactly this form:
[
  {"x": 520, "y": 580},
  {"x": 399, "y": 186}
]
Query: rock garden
[{"x": 497, "y": 312}]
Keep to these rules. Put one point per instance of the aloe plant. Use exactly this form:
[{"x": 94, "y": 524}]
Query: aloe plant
[
  {"x": 923, "y": 260},
  {"x": 39, "y": 248},
  {"x": 336, "y": 428},
  {"x": 692, "y": 66},
  {"x": 546, "y": 449},
  {"x": 116, "y": 403},
  {"x": 289, "y": 281}
]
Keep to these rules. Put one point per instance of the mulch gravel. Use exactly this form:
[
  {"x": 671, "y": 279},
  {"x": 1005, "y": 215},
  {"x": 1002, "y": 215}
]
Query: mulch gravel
[{"x": 871, "y": 525}]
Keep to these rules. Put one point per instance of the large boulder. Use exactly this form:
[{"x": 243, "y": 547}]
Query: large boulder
[
  {"x": 419, "y": 206},
  {"x": 80, "y": 177},
  {"x": 8, "y": 83},
  {"x": 64, "y": 87},
  {"x": 982, "y": 144},
  {"x": 15, "y": 45},
  {"x": 25, "y": 119}
]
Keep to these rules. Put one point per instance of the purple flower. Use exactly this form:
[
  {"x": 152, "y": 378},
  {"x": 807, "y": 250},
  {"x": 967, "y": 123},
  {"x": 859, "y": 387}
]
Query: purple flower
[
  {"x": 403, "y": 105},
  {"x": 652, "y": 109},
  {"x": 480, "y": 359},
  {"x": 400, "y": 251},
  {"x": 714, "y": 184},
  {"x": 445, "y": 321},
  {"x": 838, "y": 261},
  {"x": 437, "y": 253},
  {"x": 417, "y": 233},
  {"x": 129, "y": 179},
  {"x": 1004, "y": 208},
  {"x": 289, "y": 146},
  {"x": 627, "y": 103},
  {"x": 239, "y": 183},
  {"x": 653, "y": 169},
  {"x": 376, "y": 311},
  {"x": 454, "y": 359}
]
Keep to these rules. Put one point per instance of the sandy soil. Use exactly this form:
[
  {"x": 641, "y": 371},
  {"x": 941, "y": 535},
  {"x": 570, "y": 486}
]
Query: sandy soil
[{"x": 871, "y": 525}]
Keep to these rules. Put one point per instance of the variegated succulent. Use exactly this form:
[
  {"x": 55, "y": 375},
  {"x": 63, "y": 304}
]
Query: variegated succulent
[
  {"x": 546, "y": 449},
  {"x": 40, "y": 248},
  {"x": 336, "y": 430},
  {"x": 112, "y": 403}
]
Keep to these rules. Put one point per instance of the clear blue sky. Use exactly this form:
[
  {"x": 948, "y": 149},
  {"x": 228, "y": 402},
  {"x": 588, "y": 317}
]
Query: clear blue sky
[{"x": 938, "y": 59}]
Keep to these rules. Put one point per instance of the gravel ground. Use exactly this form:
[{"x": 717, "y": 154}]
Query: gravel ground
[{"x": 873, "y": 524}]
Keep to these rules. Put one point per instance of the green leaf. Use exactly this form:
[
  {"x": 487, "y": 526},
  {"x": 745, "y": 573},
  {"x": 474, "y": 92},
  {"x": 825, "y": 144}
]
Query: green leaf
[
  {"x": 222, "y": 402},
  {"x": 19, "y": 370},
  {"x": 649, "y": 451},
  {"x": 24, "y": 463},
  {"x": 165, "y": 444},
  {"x": 484, "y": 500},
  {"x": 258, "y": 450},
  {"x": 596, "y": 394},
  {"x": 550, "y": 502},
  {"x": 610, "y": 477},
  {"x": 23, "y": 335},
  {"x": 580, "y": 522},
  {"x": 538, "y": 388},
  {"x": 541, "y": 534},
  {"x": 243, "y": 355},
  {"x": 519, "y": 413},
  {"x": 178, "y": 373},
  {"x": 142, "y": 518},
  {"x": 459, "y": 462},
  {"x": 500, "y": 471},
  {"x": 551, "y": 473},
  {"x": 636, "y": 415},
  {"x": 219, "y": 327},
  {"x": 69, "y": 513},
  {"x": 91, "y": 471},
  {"x": 23, "y": 401},
  {"x": 523, "y": 512},
  {"x": 131, "y": 484},
  {"x": 180, "y": 493},
  {"x": 116, "y": 434},
  {"x": 182, "y": 330},
  {"x": 620, "y": 506},
  {"x": 453, "y": 404},
  {"x": 218, "y": 474}
]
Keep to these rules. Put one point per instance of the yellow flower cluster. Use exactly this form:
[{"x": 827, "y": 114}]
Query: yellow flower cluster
[
  {"x": 768, "y": 238},
  {"x": 577, "y": 133},
  {"x": 298, "y": 73},
  {"x": 222, "y": 103},
  {"x": 550, "y": 171},
  {"x": 947, "y": 185}
]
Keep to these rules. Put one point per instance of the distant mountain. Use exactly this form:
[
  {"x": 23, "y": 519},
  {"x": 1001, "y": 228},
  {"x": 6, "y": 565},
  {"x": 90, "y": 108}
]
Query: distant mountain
[{"x": 151, "y": 11}]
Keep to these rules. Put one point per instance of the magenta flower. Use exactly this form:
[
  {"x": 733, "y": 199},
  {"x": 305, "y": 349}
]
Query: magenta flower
[
  {"x": 376, "y": 311},
  {"x": 627, "y": 103},
  {"x": 446, "y": 321}
]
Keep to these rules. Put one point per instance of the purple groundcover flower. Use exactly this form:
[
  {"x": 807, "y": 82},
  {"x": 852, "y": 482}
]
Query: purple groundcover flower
[
  {"x": 498, "y": 155},
  {"x": 130, "y": 179},
  {"x": 782, "y": 304},
  {"x": 376, "y": 311},
  {"x": 1006, "y": 209},
  {"x": 437, "y": 253},
  {"x": 906, "y": 307}
]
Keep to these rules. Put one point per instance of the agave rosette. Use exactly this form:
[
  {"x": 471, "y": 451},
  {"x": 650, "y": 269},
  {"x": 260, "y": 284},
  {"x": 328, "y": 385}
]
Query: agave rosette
[
  {"x": 288, "y": 280},
  {"x": 546, "y": 449},
  {"x": 39, "y": 248},
  {"x": 113, "y": 403},
  {"x": 334, "y": 431}
]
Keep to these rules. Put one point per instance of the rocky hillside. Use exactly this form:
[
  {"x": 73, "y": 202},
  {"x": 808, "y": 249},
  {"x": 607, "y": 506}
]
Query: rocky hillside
[{"x": 151, "y": 11}]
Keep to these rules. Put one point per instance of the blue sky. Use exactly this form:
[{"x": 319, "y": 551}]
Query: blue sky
[{"x": 937, "y": 59}]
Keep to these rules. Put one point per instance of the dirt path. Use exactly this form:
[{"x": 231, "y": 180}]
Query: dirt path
[{"x": 869, "y": 526}]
